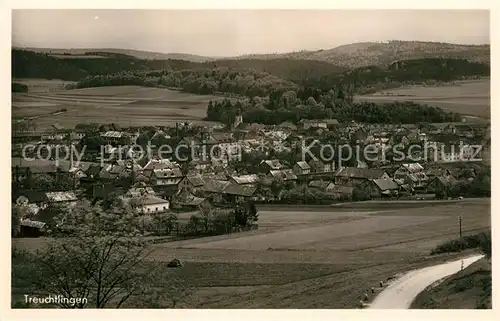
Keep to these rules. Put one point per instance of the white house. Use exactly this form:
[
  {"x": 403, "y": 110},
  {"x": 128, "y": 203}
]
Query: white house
[{"x": 150, "y": 204}]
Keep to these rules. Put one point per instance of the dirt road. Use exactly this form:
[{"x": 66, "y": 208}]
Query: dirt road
[{"x": 400, "y": 293}]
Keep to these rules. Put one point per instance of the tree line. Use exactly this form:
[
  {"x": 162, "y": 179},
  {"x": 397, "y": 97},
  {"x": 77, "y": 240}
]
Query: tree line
[
  {"x": 249, "y": 83},
  {"x": 406, "y": 72},
  {"x": 287, "y": 106}
]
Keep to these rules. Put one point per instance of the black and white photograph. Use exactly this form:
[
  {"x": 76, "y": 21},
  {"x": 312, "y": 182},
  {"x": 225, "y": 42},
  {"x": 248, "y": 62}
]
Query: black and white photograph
[{"x": 250, "y": 159}]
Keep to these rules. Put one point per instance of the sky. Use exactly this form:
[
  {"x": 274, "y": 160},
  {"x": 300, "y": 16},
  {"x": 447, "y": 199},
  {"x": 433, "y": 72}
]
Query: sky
[{"x": 238, "y": 32}]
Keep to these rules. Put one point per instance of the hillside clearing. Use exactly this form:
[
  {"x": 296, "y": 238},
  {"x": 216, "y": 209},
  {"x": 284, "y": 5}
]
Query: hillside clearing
[
  {"x": 466, "y": 97},
  {"x": 124, "y": 105}
]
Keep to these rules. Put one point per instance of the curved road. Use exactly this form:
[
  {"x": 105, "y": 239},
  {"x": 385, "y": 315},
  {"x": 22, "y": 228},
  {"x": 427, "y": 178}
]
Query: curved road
[{"x": 401, "y": 293}]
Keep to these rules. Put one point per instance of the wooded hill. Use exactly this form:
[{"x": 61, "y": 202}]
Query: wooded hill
[{"x": 305, "y": 73}]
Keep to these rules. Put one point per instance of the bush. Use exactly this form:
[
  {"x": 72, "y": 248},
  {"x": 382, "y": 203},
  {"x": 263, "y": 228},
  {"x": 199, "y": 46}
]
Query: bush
[
  {"x": 19, "y": 88},
  {"x": 480, "y": 240}
]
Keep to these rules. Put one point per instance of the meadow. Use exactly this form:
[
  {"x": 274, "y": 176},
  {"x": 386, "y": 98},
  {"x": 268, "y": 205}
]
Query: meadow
[
  {"x": 464, "y": 97},
  {"x": 324, "y": 259},
  {"x": 312, "y": 259},
  {"x": 124, "y": 105}
]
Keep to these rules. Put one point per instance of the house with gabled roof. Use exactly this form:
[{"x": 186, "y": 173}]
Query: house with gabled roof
[
  {"x": 188, "y": 201},
  {"x": 249, "y": 179},
  {"x": 235, "y": 192},
  {"x": 441, "y": 185},
  {"x": 413, "y": 174},
  {"x": 152, "y": 204},
  {"x": 65, "y": 197},
  {"x": 301, "y": 168},
  {"x": 166, "y": 176},
  {"x": 385, "y": 187},
  {"x": 191, "y": 182},
  {"x": 269, "y": 165},
  {"x": 322, "y": 185},
  {"x": 283, "y": 174},
  {"x": 350, "y": 176}
]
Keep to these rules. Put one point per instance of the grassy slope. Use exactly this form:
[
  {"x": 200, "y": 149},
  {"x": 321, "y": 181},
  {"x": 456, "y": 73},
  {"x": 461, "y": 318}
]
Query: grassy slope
[
  {"x": 468, "y": 289},
  {"x": 466, "y": 97},
  {"x": 334, "y": 275}
]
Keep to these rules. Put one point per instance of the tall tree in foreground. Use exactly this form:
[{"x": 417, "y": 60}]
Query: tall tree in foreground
[
  {"x": 103, "y": 270},
  {"x": 101, "y": 261}
]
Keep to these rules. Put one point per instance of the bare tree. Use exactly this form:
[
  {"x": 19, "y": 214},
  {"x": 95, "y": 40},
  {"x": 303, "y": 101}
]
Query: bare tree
[
  {"x": 105, "y": 270},
  {"x": 102, "y": 260}
]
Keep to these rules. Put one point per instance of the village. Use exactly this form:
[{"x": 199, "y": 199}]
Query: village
[{"x": 246, "y": 163}]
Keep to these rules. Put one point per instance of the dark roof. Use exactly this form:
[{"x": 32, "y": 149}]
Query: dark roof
[
  {"x": 35, "y": 196},
  {"x": 239, "y": 190},
  {"x": 196, "y": 180},
  {"x": 436, "y": 171},
  {"x": 141, "y": 178},
  {"x": 151, "y": 200},
  {"x": 116, "y": 169},
  {"x": 331, "y": 121},
  {"x": 303, "y": 165},
  {"x": 215, "y": 186},
  {"x": 444, "y": 138},
  {"x": 385, "y": 184},
  {"x": 215, "y": 176},
  {"x": 223, "y": 137},
  {"x": 355, "y": 172},
  {"x": 185, "y": 198},
  {"x": 319, "y": 184},
  {"x": 315, "y": 162},
  {"x": 165, "y": 190},
  {"x": 57, "y": 126},
  {"x": 93, "y": 171},
  {"x": 446, "y": 180}
]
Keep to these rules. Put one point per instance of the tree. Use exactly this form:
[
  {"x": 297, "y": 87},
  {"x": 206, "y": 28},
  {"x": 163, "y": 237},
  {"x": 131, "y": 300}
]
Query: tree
[
  {"x": 100, "y": 261},
  {"x": 240, "y": 216},
  {"x": 252, "y": 212},
  {"x": 102, "y": 269},
  {"x": 485, "y": 243},
  {"x": 277, "y": 186},
  {"x": 194, "y": 224},
  {"x": 206, "y": 216},
  {"x": 245, "y": 215},
  {"x": 16, "y": 215},
  {"x": 42, "y": 182},
  {"x": 359, "y": 194}
]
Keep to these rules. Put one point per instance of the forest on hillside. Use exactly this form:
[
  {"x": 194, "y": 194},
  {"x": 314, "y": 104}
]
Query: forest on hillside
[
  {"x": 306, "y": 73},
  {"x": 432, "y": 70},
  {"x": 249, "y": 83},
  {"x": 28, "y": 64}
]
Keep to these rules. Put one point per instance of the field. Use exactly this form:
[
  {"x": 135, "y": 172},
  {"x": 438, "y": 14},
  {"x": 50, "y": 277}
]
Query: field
[
  {"x": 466, "y": 97},
  {"x": 313, "y": 259},
  {"x": 124, "y": 105},
  {"x": 43, "y": 85}
]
